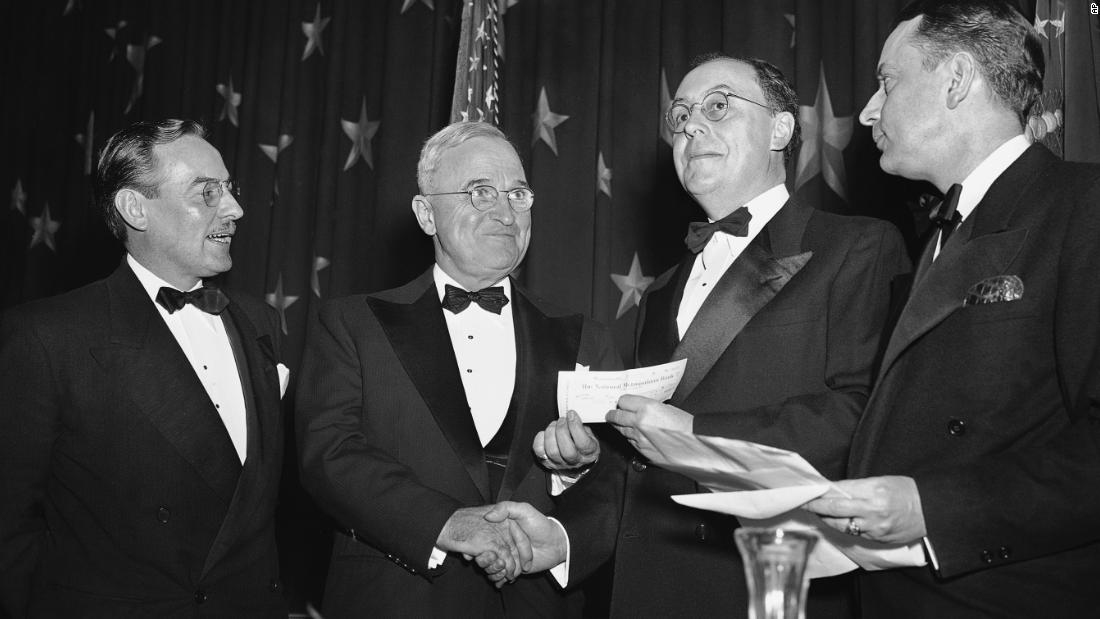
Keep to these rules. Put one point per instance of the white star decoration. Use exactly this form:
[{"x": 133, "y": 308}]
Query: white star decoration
[
  {"x": 232, "y": 100},
  {"x": 272, "y": 150},
  {"x": 603, "y": 176},
  {"x": 135, "y": 55},
  {"x": 19, "y": 197},
  {"x": 545, "y": 121},
  {"x": 360, "y": 133},
  {"x": 112, "y": 32},
  {"x": 313, "y": 31},
  {"x": 632, "y": 285},
  {"x": 407, "y": 4},
  {"x": 665, "y": 102},
  {"x": 319, "y": 262},
  {"x": 824, "y": 138},
  {"x": 280, "y": 301},
  {"x": 791, "y": 20},
  {"x": 85, "y": 139},
  {"x": 44, "y": 229},
  {"x": 70, "y": 5}
]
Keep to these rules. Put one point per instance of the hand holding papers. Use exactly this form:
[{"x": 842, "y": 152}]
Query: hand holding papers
[
  {"x": 592, "y": 394},
  {"x": 763, "y": 486}
]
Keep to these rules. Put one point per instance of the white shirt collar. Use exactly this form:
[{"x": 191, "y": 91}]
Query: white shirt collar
[
  {"x": 764, "y": 206},
  {"x": 150, "y": 281},
  {"x": 977, "y": 183},
  {"x": 442, "y": 279}
]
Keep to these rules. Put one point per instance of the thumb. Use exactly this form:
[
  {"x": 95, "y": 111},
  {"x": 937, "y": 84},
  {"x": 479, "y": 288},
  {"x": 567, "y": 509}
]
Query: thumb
[{"x": 499, "y": 513}]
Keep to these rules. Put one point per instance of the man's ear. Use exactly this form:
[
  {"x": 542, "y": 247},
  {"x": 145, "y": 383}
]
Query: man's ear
[
  {"x": 782, "y": 130},
  {"x": 425, "y": 216},
  {"x": 963, "y": 72},
  {"x": 131, "y": 207}
]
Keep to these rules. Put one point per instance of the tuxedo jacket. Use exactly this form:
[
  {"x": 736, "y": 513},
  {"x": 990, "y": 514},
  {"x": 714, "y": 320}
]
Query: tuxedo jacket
[
  {"x": 994, "y": 407},
  {"x": 780, "y": 353},
  {"x": 388, "y": 447},
  {"x": 123, "y": 495}
]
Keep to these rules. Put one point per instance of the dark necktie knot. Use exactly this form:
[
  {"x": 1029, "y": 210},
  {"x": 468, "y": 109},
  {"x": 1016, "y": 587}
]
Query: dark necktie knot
[
  {"x": 946, "y": 216},
  {"x": 699, "y": 232},
  {"x": 490, "y": 299},
  {"x": 208, "y": 299}
]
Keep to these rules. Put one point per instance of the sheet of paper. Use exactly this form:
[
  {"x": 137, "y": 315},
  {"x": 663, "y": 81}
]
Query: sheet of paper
[
  {"x": 592, "y": 394},
  {"x": 763, "y": 486}
]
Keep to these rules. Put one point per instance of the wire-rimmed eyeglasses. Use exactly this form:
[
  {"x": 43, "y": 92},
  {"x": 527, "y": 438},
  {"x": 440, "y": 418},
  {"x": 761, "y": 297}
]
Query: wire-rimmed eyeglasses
[
  {"x": 483, "y": 197},
  {"x": 213, "y": 191},
  {"x": 715, "y": 106}
]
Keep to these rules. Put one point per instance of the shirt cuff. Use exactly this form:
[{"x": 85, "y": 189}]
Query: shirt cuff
[
  {"x": 931, "y": 552},
  {"x": 437, "y": 558},
  {"x": 560, "y": 481},
  {"x": 560, "y": 572}
]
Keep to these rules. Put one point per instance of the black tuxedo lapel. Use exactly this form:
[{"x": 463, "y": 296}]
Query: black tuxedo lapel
[
  {"x": 256, "y": 364},
  {"x": 544, "y": 345},
  {"x": 754, "y": 278},
  {"x": 418, "y": 334},
  {"x": 162, "y": 384},
  {"x": 983, "y": 246}
]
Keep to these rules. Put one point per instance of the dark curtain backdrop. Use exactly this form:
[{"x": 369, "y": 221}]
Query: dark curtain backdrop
[{"x": 319, "y": 109}]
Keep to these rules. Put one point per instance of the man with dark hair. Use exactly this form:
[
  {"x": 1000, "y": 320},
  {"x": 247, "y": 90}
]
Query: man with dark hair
[
  {"x": 142, "y": 441},
  {"x": 417, "y": 405},
  {"x": 981, "y": 438},
  {"x": 778, "y": 309}
]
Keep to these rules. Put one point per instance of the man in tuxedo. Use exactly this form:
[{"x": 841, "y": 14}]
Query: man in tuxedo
[
  {"x": 778, "y": 309},
  {"x": 981, "y": 438},
  {"x": 418, "y": 405},
  {"x": 142, "y": 442}
]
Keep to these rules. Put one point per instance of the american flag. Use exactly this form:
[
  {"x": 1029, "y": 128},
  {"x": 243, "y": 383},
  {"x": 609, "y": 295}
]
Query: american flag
[{"x": 477, "y": 72}]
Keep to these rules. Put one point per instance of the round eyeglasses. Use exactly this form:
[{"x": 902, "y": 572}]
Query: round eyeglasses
[
  {"x": 483, "y": 197},
  {"x": 212, "y": 192},
  {"x": 715, "y": 106}
]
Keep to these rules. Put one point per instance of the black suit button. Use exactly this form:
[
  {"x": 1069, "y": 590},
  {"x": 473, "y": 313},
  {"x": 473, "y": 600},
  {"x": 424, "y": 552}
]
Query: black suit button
[
  {"x": 1005, "y": 552},
  {"x": 275, "y": 586},
  {"x": 163, "y": 515},
  {"x": 987, "y": 557},
  {"x": 637, "y": 464},
  {"x": 701, "y": 532},
  {"x": 956, "y": 427},
  {"x": 200, "y": 596}
]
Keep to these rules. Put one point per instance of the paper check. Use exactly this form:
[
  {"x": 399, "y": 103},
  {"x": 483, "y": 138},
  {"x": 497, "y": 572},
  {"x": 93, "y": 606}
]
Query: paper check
[{"x": 592, "y": 394}]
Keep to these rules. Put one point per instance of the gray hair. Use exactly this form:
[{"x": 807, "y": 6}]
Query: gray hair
[{"x": 445, "y": 139}]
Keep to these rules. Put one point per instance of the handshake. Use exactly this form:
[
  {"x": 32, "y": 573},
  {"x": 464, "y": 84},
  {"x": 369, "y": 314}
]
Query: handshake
[{"x": 506, "y": 539}]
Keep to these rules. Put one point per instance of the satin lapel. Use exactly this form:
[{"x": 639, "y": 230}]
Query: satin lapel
[
  {"x": 418, "y": 335},
  {"x": 261, "y": 382},
  {"x": 983, "y": 246},
  {"x": 754, "y": 278},
  {"x": 658, "y": 334},
  {"x": 544, "y": 345},
  {"x": 162, "y": 385}
]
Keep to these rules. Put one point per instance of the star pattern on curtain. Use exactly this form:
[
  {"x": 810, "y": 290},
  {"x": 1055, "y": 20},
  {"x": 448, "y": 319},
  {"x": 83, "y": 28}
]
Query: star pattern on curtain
[
  {"x": 272, "y": 150},
  {"x": 603, "y": 176},
  {"x": 632, "y": 285},
  {"x": 86, "y": 140},
  {"x": 135, "y": 55},
  {"x": 313, "y": 31},
  {"x": 545, "y": 122},
  {"x": 790, "y": 17},
  {"x": 407, "y": 4},
  {"x": 19, "y": 198},
  {"x": 360, "y": 132},
  {"x": 824, "y": 138},
  {"x": 319, "y": 263},
  {"x": 112, "y": 33},
  {"x": 232, "y": 100},
  {"x": 44, "y": 228},
  {"x": 280, "y": 301}
]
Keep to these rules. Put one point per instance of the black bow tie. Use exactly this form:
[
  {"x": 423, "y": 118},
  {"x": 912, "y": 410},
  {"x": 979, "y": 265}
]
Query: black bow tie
[
  {"x": 699, "y": 232},
  {"x": 208, "y": 299},
  {"x": 945, "y": 216},
  {"x": 490, "y": 299}
]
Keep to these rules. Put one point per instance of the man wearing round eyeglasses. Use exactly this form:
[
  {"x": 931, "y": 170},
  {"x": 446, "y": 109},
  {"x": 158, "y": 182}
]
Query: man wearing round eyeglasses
[
  {"x": 777, "y": 308},
  {"x": 142, "y": 443},
  {"x": 418, "y": 405}
]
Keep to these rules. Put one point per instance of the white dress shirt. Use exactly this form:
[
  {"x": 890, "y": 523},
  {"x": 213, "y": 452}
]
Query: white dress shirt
[
  {"x": 720, "y": 252},
  {"x": 977, "y": 183},
  {"x": 204, "y": 341}
]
